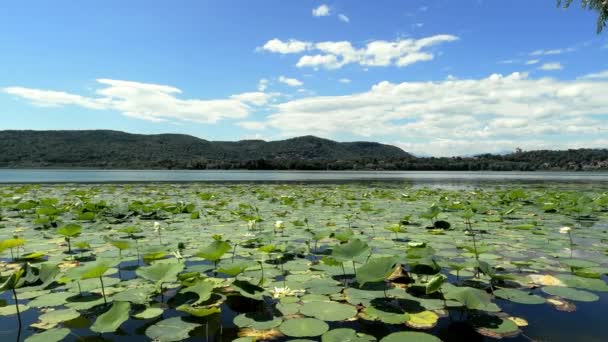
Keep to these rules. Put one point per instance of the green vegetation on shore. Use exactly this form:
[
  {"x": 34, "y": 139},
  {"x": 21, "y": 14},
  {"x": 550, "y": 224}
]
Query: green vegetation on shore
[{"x": 119, "y": 150}]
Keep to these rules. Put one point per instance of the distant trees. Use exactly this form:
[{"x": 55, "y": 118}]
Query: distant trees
[{"x": 601, "y": 6}]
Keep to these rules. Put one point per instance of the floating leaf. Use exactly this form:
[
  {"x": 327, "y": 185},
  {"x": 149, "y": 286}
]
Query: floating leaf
[
  {"x": 303, "y": 327},
  {"x": 58, "y": 316},
  {"x": 410, "y": 336},
  {"x": 257, "y": 321},
  {"x": 328, "y": 311},
  {"x": 518, "y": 296},
  {"x": 149, "y": 313},
  {"x": 422, "y": 320},
  {"x": 171, "y": 329},
  {"x": 52, "y": 335},
  {"x": 570, "y": 293},
  {"x": 346, "y": 335}
]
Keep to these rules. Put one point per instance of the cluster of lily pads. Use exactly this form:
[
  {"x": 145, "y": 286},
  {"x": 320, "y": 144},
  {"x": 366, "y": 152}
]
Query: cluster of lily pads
[{"x": 259, "y": 262}]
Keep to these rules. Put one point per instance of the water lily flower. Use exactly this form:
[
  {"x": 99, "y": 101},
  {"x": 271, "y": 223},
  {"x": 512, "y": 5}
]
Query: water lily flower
[
  {"x": 157, "y": 227},
  {"x": 251, "y": 224},
  {"x": 280, "y": 292},
  {"x": 178, "y": 255},
  {"x": 279, "y": 225},
  {"x": 564, "y": 230}
]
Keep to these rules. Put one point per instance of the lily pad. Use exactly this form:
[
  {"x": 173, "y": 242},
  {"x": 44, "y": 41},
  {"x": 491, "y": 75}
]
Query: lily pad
[
  {"x": 345, "y": 335},
  {"x": 570, "y": 293},
  {"x": 518, "y": 296},
  {"x": 328, "y": 311},
  {"x": 410, "y": 336},
  {"x": 51, "y": 335},
  {"x": 303, "y": 327},
  {"x": 171, "y": 329}
]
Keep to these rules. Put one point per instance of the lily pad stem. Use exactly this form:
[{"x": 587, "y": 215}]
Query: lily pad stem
[{"x": 103, "y": 291}]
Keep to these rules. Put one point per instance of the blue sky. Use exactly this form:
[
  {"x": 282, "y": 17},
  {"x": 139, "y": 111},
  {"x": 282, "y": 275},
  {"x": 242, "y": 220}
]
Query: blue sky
[{"x": 432, "y": 77}]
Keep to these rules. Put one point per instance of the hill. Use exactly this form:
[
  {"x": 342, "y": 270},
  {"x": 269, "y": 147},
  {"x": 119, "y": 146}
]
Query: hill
[
  {"x": 119, "y": 150},
  {"x": 113, "y": 149}
]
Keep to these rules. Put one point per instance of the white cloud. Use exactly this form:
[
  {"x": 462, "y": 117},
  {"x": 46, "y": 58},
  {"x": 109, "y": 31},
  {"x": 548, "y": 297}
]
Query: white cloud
[
  {"x": 470, "y": 115},
  {"x": 551, "y": 66},
  {"x": 263, "y": 84},
  {"x": 252, "y": 125},
  {"x": 597, "y": 75},
  {"x": 344, "y": 80},
  {"x": 152, "y": 102},
  {"x": 336, "y": 54},
  {"x": 292, "y": 82},
  {"x": 343, "y": 18},
  {"x": 551, "y": 52},
  {"x": 290, "y": 46},
  {"x": 532, "y": 62},
  {"x": 321, "y": 11}
]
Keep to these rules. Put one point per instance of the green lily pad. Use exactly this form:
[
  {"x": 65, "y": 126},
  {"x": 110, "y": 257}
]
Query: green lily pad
[
  {"x": 171, "y": 329},
  {"x": 58, "y": 316},
  {"x": 328, "y": 311},
  {"x": 303, "y": 327},
  {"x": 12, "y": 310},
  {"x": 518, "y": 296},
  {"x": 149, "y": 313},
  {"x": 410, "y": 336},
  {"x": 345, "y": 335},
  {"x": 570, "y": 293},
  {"x": 256, "y": 321},
  {"x": 51, "y": 335}
]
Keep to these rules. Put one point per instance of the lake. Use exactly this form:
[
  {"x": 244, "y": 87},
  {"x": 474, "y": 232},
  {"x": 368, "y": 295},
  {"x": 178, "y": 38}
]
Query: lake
[
  {"x": 123, "y": 176},
  {"x": 178, "y": 257}
]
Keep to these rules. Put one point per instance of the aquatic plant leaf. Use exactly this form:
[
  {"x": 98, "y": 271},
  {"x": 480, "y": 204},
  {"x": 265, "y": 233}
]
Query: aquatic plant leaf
[
  {"x": 171, "y": 329},
  {"x": 422, "y": 320},
  {"x": 376, "y": 269},
  {"x": 214, "y": 251},
  {"x": 435, "y": 283},
  {"x": 202, "y": 287},
  {"x": 149, "y": 313},
  {"x": 346, "y": 335},
  {"x": 570, "y": 293},
  {"x": 518, "y": 296},
  {"x": 51, "y": 335},
  {"x": 160, "y": 272},
  {"x": 113, "y": 318},
  {"x": 256, "y": 321},
  {"x": 303, "y": 327},
  {"x": 350, "y": 250},
  {"x": 328, "y": 311},
  {"x": 202, "y": 311},
  {"x": 57, "y": 316},
  {"x": 410, "y": 336},
  {"x": 96, "y": 270},
  {"x": 69, "y": 230}
]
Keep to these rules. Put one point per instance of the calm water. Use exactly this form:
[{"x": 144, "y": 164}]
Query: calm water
[{"x": 118, "y": 176}]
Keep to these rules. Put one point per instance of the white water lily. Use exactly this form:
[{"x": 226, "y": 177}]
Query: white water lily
[
  {"x": 248, "y": 235},
  {"x": 178, "y": 255},
  {"x": 279, "y": 225},
  {"x": 564, "y": 230},
  {"x": 157, "y": 227},
  {"x": 280, "y": 292},
  {"x": 251, "y": 224}
]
